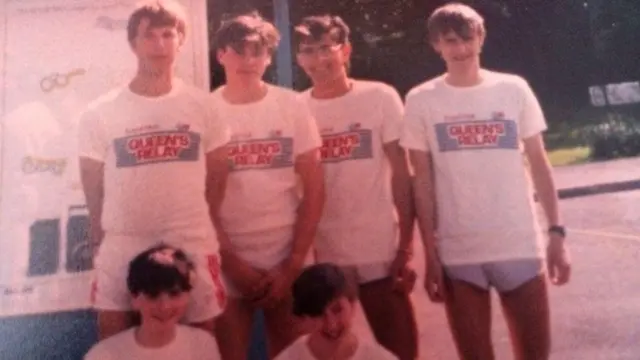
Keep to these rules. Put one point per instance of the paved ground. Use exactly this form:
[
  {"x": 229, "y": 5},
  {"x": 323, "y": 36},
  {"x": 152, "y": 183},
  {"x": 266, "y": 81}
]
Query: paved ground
[
  {"x": 597, "y": 173},
  {"x": 596, "y": 316}
]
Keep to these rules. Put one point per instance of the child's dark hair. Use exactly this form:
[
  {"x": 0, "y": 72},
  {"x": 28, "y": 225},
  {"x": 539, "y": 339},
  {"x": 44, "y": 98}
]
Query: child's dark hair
[
  {"x": 317, "y": 287},
  {"x": 234, "y": 32},
  {"x": 458, "y": 18},
  {"x": 313, "y": 28},
  {"x": 160, "y": 13},
  {"x": 162, "y": 268}
]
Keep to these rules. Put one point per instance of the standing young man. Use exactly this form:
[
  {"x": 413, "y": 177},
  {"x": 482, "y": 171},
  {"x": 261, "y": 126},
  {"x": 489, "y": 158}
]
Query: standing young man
[
  {"x": 266, "y": 227},
  {"x": 153, "y": 166},
  {"x": 467, "y": 132},
  {"x": 367, "y": 223}
]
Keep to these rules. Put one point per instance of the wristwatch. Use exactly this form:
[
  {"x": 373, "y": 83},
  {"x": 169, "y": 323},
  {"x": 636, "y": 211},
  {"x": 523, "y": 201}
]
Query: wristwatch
[{"x": 558, "y": 229}]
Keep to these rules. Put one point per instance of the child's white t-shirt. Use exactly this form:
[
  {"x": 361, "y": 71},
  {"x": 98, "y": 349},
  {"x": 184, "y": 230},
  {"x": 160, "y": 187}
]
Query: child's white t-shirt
[
  {"x": 359, "y": 222},
  {"x": 154, "y": 150},
  {"x": 189, "y": 343},
  {"x": 266, "y": 137},
  {"x": 366, "y": 350},
  {"x": 484, "y": 193}
]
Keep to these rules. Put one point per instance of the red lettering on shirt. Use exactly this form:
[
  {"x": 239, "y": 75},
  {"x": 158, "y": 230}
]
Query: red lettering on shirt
[
  {"x": 158, "y": 146},
  {"x": 339, "y": 146},
  {"x": 475, "y": 134},
  {"x": 254, "y": 153}
]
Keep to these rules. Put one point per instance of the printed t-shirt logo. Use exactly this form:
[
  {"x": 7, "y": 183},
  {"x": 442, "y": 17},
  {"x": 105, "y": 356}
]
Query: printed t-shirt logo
[
  {"x": 484, "y": 134},
  {"x": 269, "y": 153},
  {"x": 156, "y": 147},
  {"x": 354, "y": 144}
]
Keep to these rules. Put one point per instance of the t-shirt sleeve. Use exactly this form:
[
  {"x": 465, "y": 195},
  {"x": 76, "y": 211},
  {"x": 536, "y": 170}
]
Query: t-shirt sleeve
[
  {"x": 392, "y": 112},
  {"x": 305, "y": 129},
  {"x": 294, "y": 352},
  {"x": 414, "y": 130},
  {"x": 217, "y": 132},
  {"x": 92, "y": 140},
  {"x": 532, "y": 121}
]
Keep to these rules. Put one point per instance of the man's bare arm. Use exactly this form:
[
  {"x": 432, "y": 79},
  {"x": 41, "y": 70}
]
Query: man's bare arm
[
  {"x": 92, "y": 176},
  {"x": 402, "y": 193},
  {"x": 424, "y": 195},
  {"x": 309, "y": 167},
  {"x": 558, "y": 259},
  {"x": 543, "y": 177},
  {"x": 216, "y": 185}
]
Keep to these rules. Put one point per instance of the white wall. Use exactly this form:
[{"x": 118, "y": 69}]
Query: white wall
[{"x": 40, "y": 189}]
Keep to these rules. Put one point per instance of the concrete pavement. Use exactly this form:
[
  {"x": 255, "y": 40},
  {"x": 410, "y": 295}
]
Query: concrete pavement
[{"x": 597, "y": 177}]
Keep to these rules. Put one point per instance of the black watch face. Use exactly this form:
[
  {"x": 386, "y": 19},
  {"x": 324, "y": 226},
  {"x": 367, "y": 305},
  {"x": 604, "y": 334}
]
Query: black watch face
[{"x": 560, "y": 230}]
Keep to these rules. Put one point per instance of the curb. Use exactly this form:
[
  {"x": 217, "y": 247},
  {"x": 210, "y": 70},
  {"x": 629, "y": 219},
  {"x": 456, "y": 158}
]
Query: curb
[{"x": 598, "y": 189}]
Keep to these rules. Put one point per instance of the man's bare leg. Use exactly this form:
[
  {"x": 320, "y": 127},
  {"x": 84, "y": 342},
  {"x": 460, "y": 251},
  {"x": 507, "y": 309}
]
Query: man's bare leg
[
  {"x": 468, "y": 310},
  {"x": 391, "y": 317},
  {"x": 526, "y": 310},
  {"x": 283, "y": 328},
  {"x": 233, "y": 329},
  {"x": 111, "y": 322}
]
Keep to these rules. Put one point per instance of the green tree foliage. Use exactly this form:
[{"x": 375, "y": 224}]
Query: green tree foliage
[
  {"x": 615, "y": 27},
  {"x": 560, "y": 47}
]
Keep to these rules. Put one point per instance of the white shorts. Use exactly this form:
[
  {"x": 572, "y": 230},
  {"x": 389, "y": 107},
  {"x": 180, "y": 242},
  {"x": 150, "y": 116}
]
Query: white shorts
[
  {"x": 362, "y": 244},
  {"x": 504, "y": 276},
  {"x": 110, "y": 290},
  {"x": 262, "y": 250}
]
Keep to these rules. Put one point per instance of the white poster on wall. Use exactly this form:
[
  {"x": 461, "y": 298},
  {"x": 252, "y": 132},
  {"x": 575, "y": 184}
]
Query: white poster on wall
[{"x": 57, "y": 56}]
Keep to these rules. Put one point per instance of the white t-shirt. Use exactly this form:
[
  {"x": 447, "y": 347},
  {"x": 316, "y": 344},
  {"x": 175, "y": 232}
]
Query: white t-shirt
[
  {"x": 484, "y": 193},
  {"x": 359, "y": 223},
  {"x": 266, "y": 137},
  {"x": 189, "y": 343},
  {"x": 299, "y": 350},
  {"x": 153, "y": 151}
]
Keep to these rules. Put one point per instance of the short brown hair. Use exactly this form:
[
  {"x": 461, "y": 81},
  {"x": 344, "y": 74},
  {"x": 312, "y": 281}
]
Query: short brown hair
[
  {"x": 312, "y": 28},
  {"x": 162, "y": 268},
  {"x": 235, "y": 31},
  {"x": 458, "y": 18},
  {"x": 319, "y": 285},
  {"x": 160, "y": 13}
]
